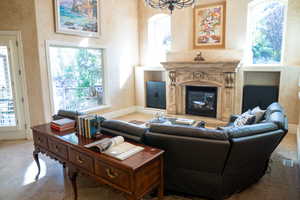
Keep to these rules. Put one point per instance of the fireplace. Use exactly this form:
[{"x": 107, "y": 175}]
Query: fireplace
[
  {"x": 201, "y": 101},
  {"x": 186, "y": 94}
]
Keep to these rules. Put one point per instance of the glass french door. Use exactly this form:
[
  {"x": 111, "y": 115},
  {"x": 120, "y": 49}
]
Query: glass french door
[{"x": 12, "y": 124}]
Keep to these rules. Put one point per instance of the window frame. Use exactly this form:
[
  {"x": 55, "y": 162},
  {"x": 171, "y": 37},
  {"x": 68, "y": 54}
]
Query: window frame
[
  {"x": 106, "y": 97},
  {"x": 248, "y": 55}
]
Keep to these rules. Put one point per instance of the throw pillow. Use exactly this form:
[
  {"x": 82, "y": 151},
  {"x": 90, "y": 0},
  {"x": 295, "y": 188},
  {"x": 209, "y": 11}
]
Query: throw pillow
[
  {"x": 244, "y": 119},
  {"x": 259, "y": 113}
]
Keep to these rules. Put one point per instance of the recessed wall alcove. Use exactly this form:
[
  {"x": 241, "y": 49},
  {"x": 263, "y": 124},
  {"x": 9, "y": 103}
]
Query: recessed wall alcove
[{"x": 260, "y": 89}]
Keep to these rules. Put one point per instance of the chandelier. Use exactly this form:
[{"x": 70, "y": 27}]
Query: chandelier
[{"x": 170, "y": 4}]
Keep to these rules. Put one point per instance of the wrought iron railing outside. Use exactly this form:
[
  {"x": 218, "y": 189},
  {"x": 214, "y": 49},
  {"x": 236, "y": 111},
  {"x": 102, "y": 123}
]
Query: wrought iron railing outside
[
  {"x": 77, "y": 98},
  {"x": 7, "y": 113}
]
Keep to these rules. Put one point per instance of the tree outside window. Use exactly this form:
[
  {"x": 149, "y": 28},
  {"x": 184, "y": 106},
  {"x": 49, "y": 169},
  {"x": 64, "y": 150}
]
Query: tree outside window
[
  {"x": 77, "y": 77},
  {"x": 267, "y": 28}
]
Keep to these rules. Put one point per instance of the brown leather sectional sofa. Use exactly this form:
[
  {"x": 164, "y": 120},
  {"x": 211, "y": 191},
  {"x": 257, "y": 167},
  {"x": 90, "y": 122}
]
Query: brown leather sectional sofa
[{"x": 211, "y": 163}]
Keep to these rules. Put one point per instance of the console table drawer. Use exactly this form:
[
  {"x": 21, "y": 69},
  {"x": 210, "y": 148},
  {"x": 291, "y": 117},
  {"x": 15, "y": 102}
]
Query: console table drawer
[
  {"x": 59, "y": 149},
  {"x": 112, "y": 174},
  {"x": 41, "y": 140},
  {"x": 81, "y": 159}
]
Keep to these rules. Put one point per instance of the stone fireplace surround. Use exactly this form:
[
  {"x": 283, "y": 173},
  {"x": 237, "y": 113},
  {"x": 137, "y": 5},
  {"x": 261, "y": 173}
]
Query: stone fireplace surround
[{"x": 220, "y": 74}]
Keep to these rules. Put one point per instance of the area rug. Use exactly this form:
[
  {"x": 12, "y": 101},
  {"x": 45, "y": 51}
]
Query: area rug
[{"x": 17, "y": 172}]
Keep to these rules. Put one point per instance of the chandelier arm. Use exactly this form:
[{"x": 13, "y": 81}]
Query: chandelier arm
[
  {"x": 153, "y": 4},
  {"x": 184, "y": 4}
]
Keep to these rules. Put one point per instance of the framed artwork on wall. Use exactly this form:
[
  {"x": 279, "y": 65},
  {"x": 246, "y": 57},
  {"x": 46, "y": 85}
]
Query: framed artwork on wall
[
  {"x": 209, "y": 26},
  {"x": 78, "y": 17}
]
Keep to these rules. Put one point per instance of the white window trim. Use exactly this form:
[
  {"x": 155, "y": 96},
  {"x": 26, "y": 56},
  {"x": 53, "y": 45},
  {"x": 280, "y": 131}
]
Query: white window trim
[
  {"x": 248, "y": 57},
  {"x": 22, "y": 79},
  {"x": 107, "y": 103}
]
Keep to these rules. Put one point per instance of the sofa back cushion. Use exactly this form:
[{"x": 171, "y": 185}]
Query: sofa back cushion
[
  {"x": 190, "y": 153},
  {"x": 189, "y": 131},
  {"x": 125, "y": 129},
  {"x": 274, "y": 107}
]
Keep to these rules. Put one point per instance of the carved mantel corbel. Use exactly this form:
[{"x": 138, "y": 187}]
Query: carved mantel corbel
[
  {"x": 172, "y": 77},
  {"x": 229, "y": 79}
]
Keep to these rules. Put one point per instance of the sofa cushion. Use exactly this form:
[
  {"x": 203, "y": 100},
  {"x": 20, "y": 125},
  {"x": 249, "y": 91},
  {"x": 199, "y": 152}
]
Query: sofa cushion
[
  {"x": 244, "y": 119},
  {"x": 248, "y": 130},
  {"x": 259, "y": 113},
  {"x": 125, "y": 127},
  {"x": 188, "y": 131}
]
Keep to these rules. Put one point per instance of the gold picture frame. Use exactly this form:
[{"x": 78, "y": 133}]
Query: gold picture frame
[
  {"x": 209, "y": 26},
  {"x": 78, "y": 17}
]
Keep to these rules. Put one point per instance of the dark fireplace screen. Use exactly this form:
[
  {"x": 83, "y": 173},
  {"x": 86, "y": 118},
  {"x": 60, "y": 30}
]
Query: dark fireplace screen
[{"x": 201, "y": 101}]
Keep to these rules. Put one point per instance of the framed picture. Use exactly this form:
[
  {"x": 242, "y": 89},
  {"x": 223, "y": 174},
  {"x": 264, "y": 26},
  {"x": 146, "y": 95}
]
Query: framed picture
[
  {"x": 209, "y": 25},
  {"x": 78, "y": 17}
]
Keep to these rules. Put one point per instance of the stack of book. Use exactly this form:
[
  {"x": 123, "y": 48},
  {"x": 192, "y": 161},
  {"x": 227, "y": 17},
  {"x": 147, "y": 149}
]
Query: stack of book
[
  {"x": 87, "y": 126},
  {"x": 63, "y": 124}
]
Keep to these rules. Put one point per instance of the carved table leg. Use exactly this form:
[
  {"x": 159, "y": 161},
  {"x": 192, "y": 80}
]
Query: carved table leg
[
  {"x": 72, "y": 176},
  {"x": 160, "y": 192},
  {"x": 36, "y": 158}
]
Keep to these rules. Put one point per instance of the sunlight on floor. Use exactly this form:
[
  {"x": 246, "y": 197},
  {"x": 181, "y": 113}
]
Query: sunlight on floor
[{"x": 32, "y": 171}]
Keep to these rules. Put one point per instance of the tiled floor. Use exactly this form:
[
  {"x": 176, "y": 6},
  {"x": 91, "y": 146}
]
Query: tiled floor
[{"x": 17, "y": 172}]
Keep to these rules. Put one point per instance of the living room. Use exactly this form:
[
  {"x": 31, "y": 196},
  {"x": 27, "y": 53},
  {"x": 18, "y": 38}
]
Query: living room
[{"x": 195, "y": 85}]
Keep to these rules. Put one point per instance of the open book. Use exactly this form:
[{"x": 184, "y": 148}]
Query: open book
[{"x": 115, "y": 147}]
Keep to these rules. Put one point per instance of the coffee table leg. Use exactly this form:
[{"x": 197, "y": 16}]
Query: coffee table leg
[
  {"x": 37, "y": 161},
  {"x": 73, "y": 176}
]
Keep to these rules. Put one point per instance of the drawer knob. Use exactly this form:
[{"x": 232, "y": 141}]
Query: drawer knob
[
  {"x": 111, "y": 174},
  {"x": 79, "y": 159}
]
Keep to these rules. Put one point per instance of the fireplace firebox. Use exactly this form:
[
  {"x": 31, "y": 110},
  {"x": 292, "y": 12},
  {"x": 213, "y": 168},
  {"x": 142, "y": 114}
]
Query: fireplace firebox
[{"x": 201, "y": 101}]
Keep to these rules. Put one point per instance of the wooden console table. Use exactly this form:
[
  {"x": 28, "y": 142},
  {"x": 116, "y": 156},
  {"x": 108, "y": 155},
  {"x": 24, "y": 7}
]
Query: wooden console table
[{"x": 135, "y": 176}]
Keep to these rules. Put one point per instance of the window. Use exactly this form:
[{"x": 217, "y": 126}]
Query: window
[
  {"x": 77, "y": 77},
  {"x": 266, "y": 30},
  {"x": 159, "y": 38}
]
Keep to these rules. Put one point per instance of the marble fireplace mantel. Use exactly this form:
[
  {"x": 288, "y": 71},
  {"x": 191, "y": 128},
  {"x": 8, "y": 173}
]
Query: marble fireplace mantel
[
  {"x": 220, "y": 74},
  {"x": 217, "y": 65}
]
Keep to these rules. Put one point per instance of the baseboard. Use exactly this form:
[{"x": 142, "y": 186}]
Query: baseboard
[
  {"x": 150, "y": 111},
  {"x": 119, "y": 113},
  {"x": 293, "y": 128}
]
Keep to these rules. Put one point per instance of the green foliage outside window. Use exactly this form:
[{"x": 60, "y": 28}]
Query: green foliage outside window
[
  {"x": 268, "y": 33},
  {"x": 77, "y": 77}
]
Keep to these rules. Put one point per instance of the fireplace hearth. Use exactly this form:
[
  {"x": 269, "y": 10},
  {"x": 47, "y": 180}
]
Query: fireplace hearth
[{"x": 201, "y": 101}]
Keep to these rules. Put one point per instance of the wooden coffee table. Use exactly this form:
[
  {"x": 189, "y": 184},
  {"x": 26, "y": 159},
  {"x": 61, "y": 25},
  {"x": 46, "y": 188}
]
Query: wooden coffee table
[{"x": 135, "y": 177}]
